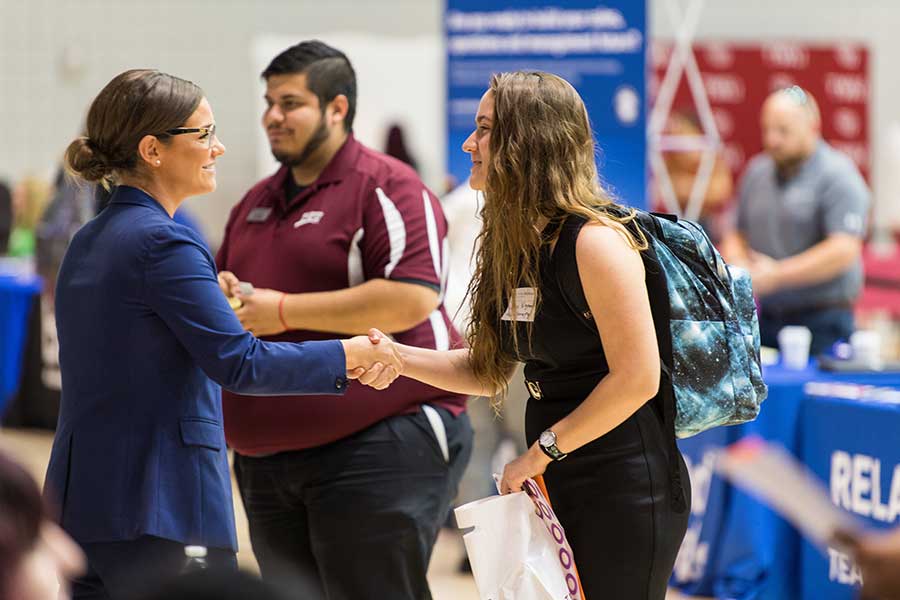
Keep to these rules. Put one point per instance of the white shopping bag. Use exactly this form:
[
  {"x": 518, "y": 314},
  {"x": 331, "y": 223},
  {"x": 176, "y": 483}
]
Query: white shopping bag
[{"x": 518, "y": 550}]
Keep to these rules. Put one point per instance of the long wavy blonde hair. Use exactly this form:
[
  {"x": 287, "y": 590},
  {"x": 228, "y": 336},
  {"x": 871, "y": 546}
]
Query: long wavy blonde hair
[{"x": 541, "y": 168}]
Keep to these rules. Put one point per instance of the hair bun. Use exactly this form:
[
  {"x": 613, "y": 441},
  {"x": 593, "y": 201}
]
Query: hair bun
[{"x": 84, "y": 159}]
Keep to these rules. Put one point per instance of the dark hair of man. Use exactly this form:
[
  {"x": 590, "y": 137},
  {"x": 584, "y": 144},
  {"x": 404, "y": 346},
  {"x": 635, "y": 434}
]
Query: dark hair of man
[
  {"x": 21, "y": 515},
  {"x": 328, "y": 73}
]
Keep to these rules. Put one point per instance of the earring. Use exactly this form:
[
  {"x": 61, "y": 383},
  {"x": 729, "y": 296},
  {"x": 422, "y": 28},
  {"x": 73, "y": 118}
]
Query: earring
[{"x": 158, "y": 162}]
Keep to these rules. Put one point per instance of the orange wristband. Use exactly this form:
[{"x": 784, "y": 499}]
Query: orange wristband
[{"x": 281, "y": 312}]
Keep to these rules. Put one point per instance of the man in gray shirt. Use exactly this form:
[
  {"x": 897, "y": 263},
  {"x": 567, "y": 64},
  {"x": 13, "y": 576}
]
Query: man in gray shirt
[{"x": 800, "y": 224}]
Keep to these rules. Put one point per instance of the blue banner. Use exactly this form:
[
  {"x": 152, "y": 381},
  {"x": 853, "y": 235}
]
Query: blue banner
[{"x": 599, "y": 49}]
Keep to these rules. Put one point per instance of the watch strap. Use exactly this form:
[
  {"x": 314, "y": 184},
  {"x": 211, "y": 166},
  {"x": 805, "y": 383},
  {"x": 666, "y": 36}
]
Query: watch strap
[{"x": 552, "y": 451}]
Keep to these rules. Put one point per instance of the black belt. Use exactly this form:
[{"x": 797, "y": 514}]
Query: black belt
[{"x": 563, "y": 389}]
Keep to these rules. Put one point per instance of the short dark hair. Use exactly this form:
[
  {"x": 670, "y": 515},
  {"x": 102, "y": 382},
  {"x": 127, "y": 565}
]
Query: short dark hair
[
  {"x": 135, "y": 103},
  {"x": 328, "y": 73}
]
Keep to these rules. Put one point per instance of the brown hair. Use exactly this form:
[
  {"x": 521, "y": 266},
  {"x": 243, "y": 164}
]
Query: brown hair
[
  {"x": 542, "y": 165},
  {"x": 135, "y": 103},
  {"x": 34, "y": 193}
]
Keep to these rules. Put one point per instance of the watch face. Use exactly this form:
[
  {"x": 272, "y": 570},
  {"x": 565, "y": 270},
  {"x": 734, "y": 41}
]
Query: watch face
[{"x": 548, "y": 438}]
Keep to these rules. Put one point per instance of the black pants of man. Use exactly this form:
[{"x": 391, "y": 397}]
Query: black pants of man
[{"x": 362, "y": 513}]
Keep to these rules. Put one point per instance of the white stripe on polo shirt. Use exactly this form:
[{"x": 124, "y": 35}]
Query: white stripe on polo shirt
[
  {"x": 441, "y": 333},
  {"x": 396, "y": 229},
  {"x": 355, "y": 275},
  {"x": 445, "y": 268},
  {"x": 433, "y": 242},
  {"x": 438, "y": 325}
]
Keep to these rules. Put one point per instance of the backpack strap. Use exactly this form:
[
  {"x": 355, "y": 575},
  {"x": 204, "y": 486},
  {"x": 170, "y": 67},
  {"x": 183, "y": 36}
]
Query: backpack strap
[{"x": 658, "y": 292}]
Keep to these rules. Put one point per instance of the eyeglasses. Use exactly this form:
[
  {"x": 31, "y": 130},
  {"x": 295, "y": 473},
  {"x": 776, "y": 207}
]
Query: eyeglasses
[{"x": 209, "y": 132}]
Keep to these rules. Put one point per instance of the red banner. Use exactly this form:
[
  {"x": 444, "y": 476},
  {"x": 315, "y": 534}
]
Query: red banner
[{"x": 739, "y": 77}]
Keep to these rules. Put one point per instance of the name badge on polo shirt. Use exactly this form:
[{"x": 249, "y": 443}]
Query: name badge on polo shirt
[
  {"x": 524, "y": 306},
  {"x": 259, "y": 214}
]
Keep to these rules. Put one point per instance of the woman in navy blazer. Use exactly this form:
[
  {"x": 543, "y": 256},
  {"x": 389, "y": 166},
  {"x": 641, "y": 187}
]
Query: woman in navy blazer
[{"x": 146, "y": 337}]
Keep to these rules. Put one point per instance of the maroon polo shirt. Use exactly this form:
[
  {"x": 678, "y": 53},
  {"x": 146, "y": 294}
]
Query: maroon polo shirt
[{"x": 367, "y": 216}]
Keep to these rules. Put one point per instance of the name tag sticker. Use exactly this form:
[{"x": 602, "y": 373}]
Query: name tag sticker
[
  {"x": 524, "y": 306},
  {"x": 259, "y": 214}
]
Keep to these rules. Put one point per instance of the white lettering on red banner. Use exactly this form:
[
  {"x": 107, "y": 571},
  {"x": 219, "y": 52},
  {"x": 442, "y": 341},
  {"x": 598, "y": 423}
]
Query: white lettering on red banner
[
  {"x": 848, "y": 56},
  {"x": 843, "y": 87},
  {"x": 779, "y": 81},
  {"x": 718, "y": 55},
  {"x": 724, "y": 88},
  {"x": 782, "y": 55},
  {"x": 847, "y": 122}
]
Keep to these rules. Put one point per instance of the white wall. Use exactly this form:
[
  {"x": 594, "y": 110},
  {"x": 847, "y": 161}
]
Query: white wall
[{"x": 210, "y": 41}]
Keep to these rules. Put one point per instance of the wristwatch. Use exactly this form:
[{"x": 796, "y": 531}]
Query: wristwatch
[{"x": 547, "y": 442}]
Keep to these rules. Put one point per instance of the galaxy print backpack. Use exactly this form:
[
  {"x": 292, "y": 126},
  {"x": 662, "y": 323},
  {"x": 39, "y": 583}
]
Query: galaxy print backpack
[{"x": 705, "y": 320}]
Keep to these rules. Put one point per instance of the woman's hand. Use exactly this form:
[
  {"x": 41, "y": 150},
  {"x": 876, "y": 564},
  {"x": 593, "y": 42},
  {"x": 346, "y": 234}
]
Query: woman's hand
[{"x": 534, "y": 462}]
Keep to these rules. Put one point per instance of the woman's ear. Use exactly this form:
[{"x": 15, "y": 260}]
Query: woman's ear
[{"x": 149, "y": 150}]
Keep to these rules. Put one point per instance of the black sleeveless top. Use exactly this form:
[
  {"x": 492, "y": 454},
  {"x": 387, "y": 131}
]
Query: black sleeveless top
[
  {"x": 562, "y": 348},
  {"x": 565, "y": 344}
]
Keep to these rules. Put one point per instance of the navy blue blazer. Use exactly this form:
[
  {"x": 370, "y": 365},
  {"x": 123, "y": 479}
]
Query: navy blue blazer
[{"x": 145, "y": 336}]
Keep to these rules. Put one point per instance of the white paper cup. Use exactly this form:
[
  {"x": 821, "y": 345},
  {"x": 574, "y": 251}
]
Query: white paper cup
[
  {"x": 866, "y": 346},
  {"x": 794, "y": 342}
]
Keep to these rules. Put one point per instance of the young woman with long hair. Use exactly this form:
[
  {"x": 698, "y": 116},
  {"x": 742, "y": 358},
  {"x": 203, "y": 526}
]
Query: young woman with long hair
[{"x": 595, "y": 419}]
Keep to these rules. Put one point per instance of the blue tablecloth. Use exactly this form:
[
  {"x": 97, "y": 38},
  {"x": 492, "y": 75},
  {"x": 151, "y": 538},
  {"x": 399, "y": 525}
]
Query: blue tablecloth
[
  {"x": 736, "y": 547},
  {"x": 16, "y": 298},
  {"x": 854, "y": 447}
]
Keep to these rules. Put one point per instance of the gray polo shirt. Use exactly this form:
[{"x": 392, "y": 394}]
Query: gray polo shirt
[{"x": 783, "y": 218}]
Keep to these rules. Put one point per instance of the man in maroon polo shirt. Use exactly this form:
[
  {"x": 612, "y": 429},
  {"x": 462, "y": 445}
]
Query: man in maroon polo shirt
[{"x": 341, "y": 239}]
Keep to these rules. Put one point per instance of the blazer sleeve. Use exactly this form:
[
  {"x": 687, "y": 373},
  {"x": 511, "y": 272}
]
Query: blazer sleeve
[{"x": 180, "y": 286}]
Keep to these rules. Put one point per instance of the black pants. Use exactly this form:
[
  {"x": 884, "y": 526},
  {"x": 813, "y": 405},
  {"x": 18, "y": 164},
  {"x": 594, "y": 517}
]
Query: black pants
[
  {"x": 125, "y": 570},
  {"x": 362, "y": 513},
  {"x": 613, "y": 498}
]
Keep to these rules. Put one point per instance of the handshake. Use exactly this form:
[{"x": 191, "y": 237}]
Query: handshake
[{"x": 373, "y": 360}]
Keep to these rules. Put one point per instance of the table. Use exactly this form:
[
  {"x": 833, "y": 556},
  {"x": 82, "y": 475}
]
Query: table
[
  {"x": 735, "y": 546},
  {"x": 16, "y": 298},
  {"x": 860, "y": 463}
]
